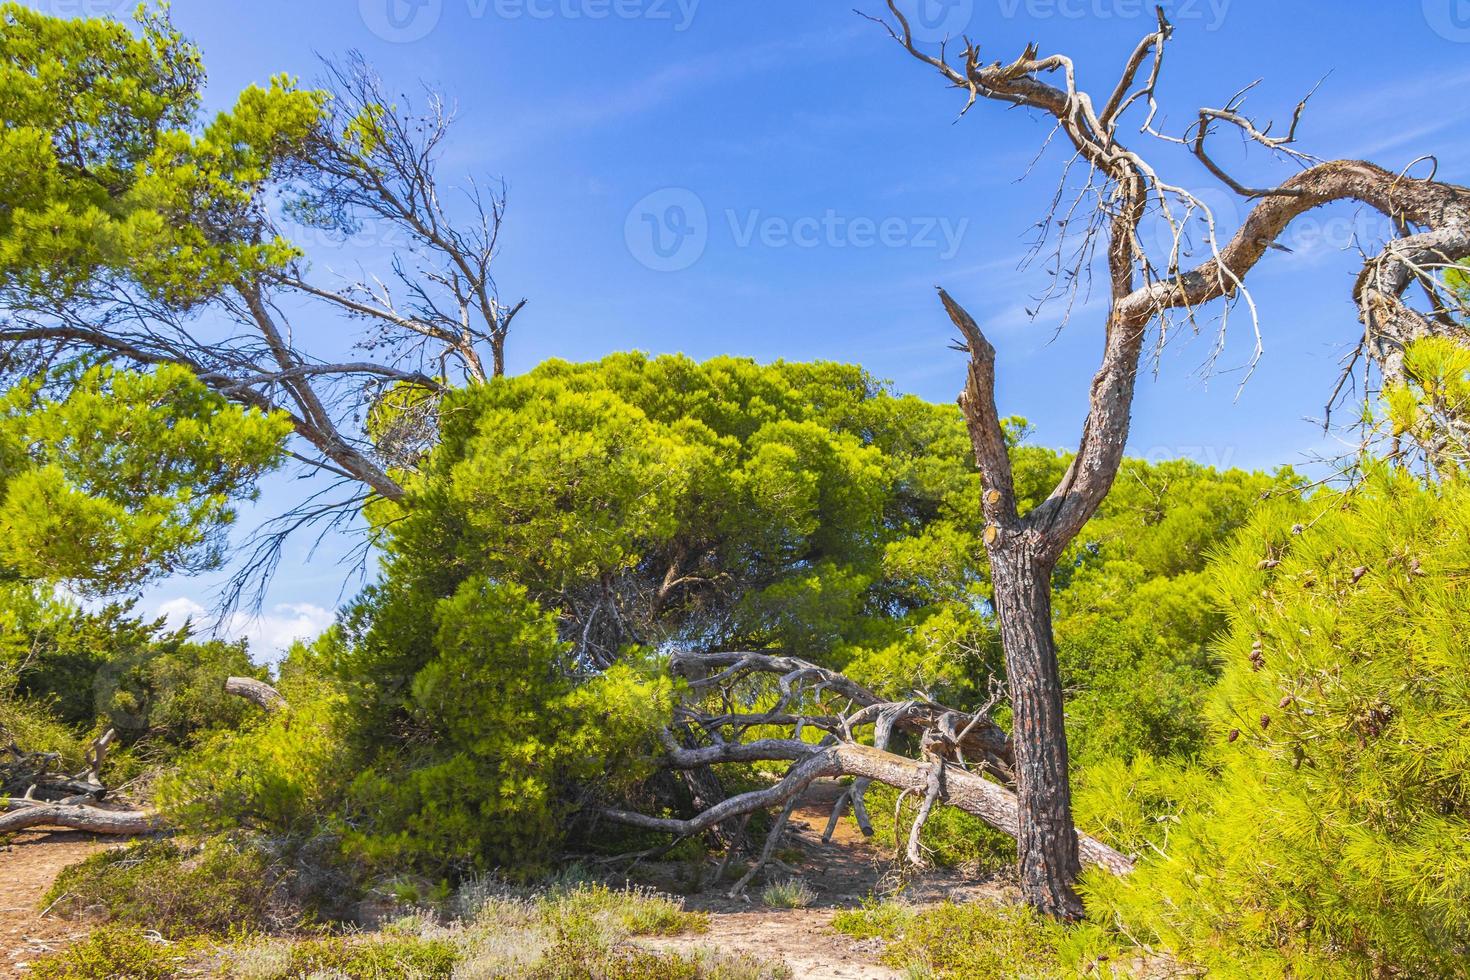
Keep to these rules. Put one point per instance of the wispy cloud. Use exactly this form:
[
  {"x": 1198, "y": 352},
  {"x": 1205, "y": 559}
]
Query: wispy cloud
[
  {"x": 1379, "y": 112},
  {"x": 270, "y": 634},
  {"x": 680, "y": 80}
]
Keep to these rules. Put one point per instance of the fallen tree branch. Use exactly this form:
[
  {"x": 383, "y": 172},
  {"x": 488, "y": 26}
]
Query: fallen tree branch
[
  {"x": 966, "y": 736},
  {"x": 965, "y": 791},
  {"x": 257, "y": 692},
  {"x": 24, "y": 814},
  {"x": 932, "y": 795}
]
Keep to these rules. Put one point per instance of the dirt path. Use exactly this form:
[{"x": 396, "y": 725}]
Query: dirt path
[
  {"x": 28, "y": 866},
  {"x": 843, "y": 873}
]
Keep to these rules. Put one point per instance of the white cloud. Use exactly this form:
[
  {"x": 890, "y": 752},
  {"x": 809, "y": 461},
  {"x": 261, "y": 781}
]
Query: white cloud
[
  {"x": 179, "y": 611},
  {"x": 269, "y": 634}
]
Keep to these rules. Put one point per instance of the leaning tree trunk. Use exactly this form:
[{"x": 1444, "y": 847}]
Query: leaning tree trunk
[{"x": 1046, "y": 841}]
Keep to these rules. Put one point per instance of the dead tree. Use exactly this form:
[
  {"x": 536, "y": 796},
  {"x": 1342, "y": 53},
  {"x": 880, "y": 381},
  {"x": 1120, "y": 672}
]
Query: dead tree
[
  {"x": 35, "y": 791},
  {"x": 966, "y": 758},
  {"x": 1148, "y": 291},
  {"x": 51, "y": 798},
  {"x": 436, "y": 321}
]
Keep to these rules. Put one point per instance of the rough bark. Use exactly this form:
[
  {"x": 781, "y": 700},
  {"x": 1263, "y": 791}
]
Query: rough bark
[
  {"x": 964, "y": 790},
  {"x": 1046, "y": 841},
  {"x": 1122, "y": 188},
  {"x": 257, "y": 692},
  {"x": 94, "y": 820}
]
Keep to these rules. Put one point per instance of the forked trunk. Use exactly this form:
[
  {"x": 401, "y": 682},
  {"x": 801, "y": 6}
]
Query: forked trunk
[{"x": 1047, "y": 841}]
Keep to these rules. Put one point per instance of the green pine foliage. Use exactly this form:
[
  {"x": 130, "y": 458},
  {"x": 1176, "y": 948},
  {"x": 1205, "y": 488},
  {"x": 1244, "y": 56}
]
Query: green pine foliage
[
  {"x": 513, "y": 733},
  {"x": 123, "y": 477},
  {"x": 1329, "y": 837},
  {"x": 576, "y": 522},
  {"x": 111, "y": 173}
]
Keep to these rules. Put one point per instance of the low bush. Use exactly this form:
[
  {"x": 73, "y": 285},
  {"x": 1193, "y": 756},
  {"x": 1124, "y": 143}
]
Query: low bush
[
  {"x": 117, "y": 953},
  {"x": 980, "y": 940},
  {"x": 792, "y": 893},
  {"x": 396, "y": 958},
  {"x": 218, "y": 890}
]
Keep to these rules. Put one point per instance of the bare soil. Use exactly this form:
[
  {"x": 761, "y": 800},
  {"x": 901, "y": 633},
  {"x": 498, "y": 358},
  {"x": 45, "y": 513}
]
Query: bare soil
[
  {"x": 29, "y": 863},
  {"x": 843, "y": 872}
]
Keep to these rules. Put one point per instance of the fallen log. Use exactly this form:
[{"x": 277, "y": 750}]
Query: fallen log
[
  {"x": 964, "y": 790},
  {"x": 24, "y": 814},
  {"x": 968, "y": 738}
]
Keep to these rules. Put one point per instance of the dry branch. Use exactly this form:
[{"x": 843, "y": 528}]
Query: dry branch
[
  {"x": 24, "y": 814},
  {"x": 1148, "y": 286},
  {"x": 966, "y": 791},
  {"x": 256, "y": 692}
]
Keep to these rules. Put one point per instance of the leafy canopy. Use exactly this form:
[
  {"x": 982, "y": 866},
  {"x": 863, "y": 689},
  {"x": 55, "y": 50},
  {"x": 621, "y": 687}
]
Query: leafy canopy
[
  {"x": 124, "y": 477},
  {"x": 107, "y": 181},
  {"x": 577, "y": 521},
  {"x": 1325, "y": 833}
]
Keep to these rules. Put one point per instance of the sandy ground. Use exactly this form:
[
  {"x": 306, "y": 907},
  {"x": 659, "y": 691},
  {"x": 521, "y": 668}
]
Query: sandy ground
[
  {"x": 28, "y": 866},
  {"x": 843, "y": 873}
]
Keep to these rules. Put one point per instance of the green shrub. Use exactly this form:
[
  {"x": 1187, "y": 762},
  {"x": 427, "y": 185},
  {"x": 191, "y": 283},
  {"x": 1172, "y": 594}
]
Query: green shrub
[
  {"x": 570, "y": 960},
  {"x": 979, "y": 940},
  {"x": 30, "y": 724},
  {"x": 513, "y": 733},
  {"x": 283, "y": 774},
  {"x": 790, "y": 893},
  {"x": 116, "y": 953},
  {"x": 373, "y": 959},
  {"x": 1328, "y": 838},
  {"x": 952, "y": 838},
  {"x": 216, "y": 890}
]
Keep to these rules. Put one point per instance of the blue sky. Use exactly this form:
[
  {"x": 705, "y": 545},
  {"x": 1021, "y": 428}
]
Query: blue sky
[{"x": 829, "y": 187}]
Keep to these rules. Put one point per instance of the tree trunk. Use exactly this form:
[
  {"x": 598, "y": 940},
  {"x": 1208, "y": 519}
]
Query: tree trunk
[
  {"x": 256, "y": 692},
  {"x": 24, "y": 814},
  {"x": 1046, "y": 841}
]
